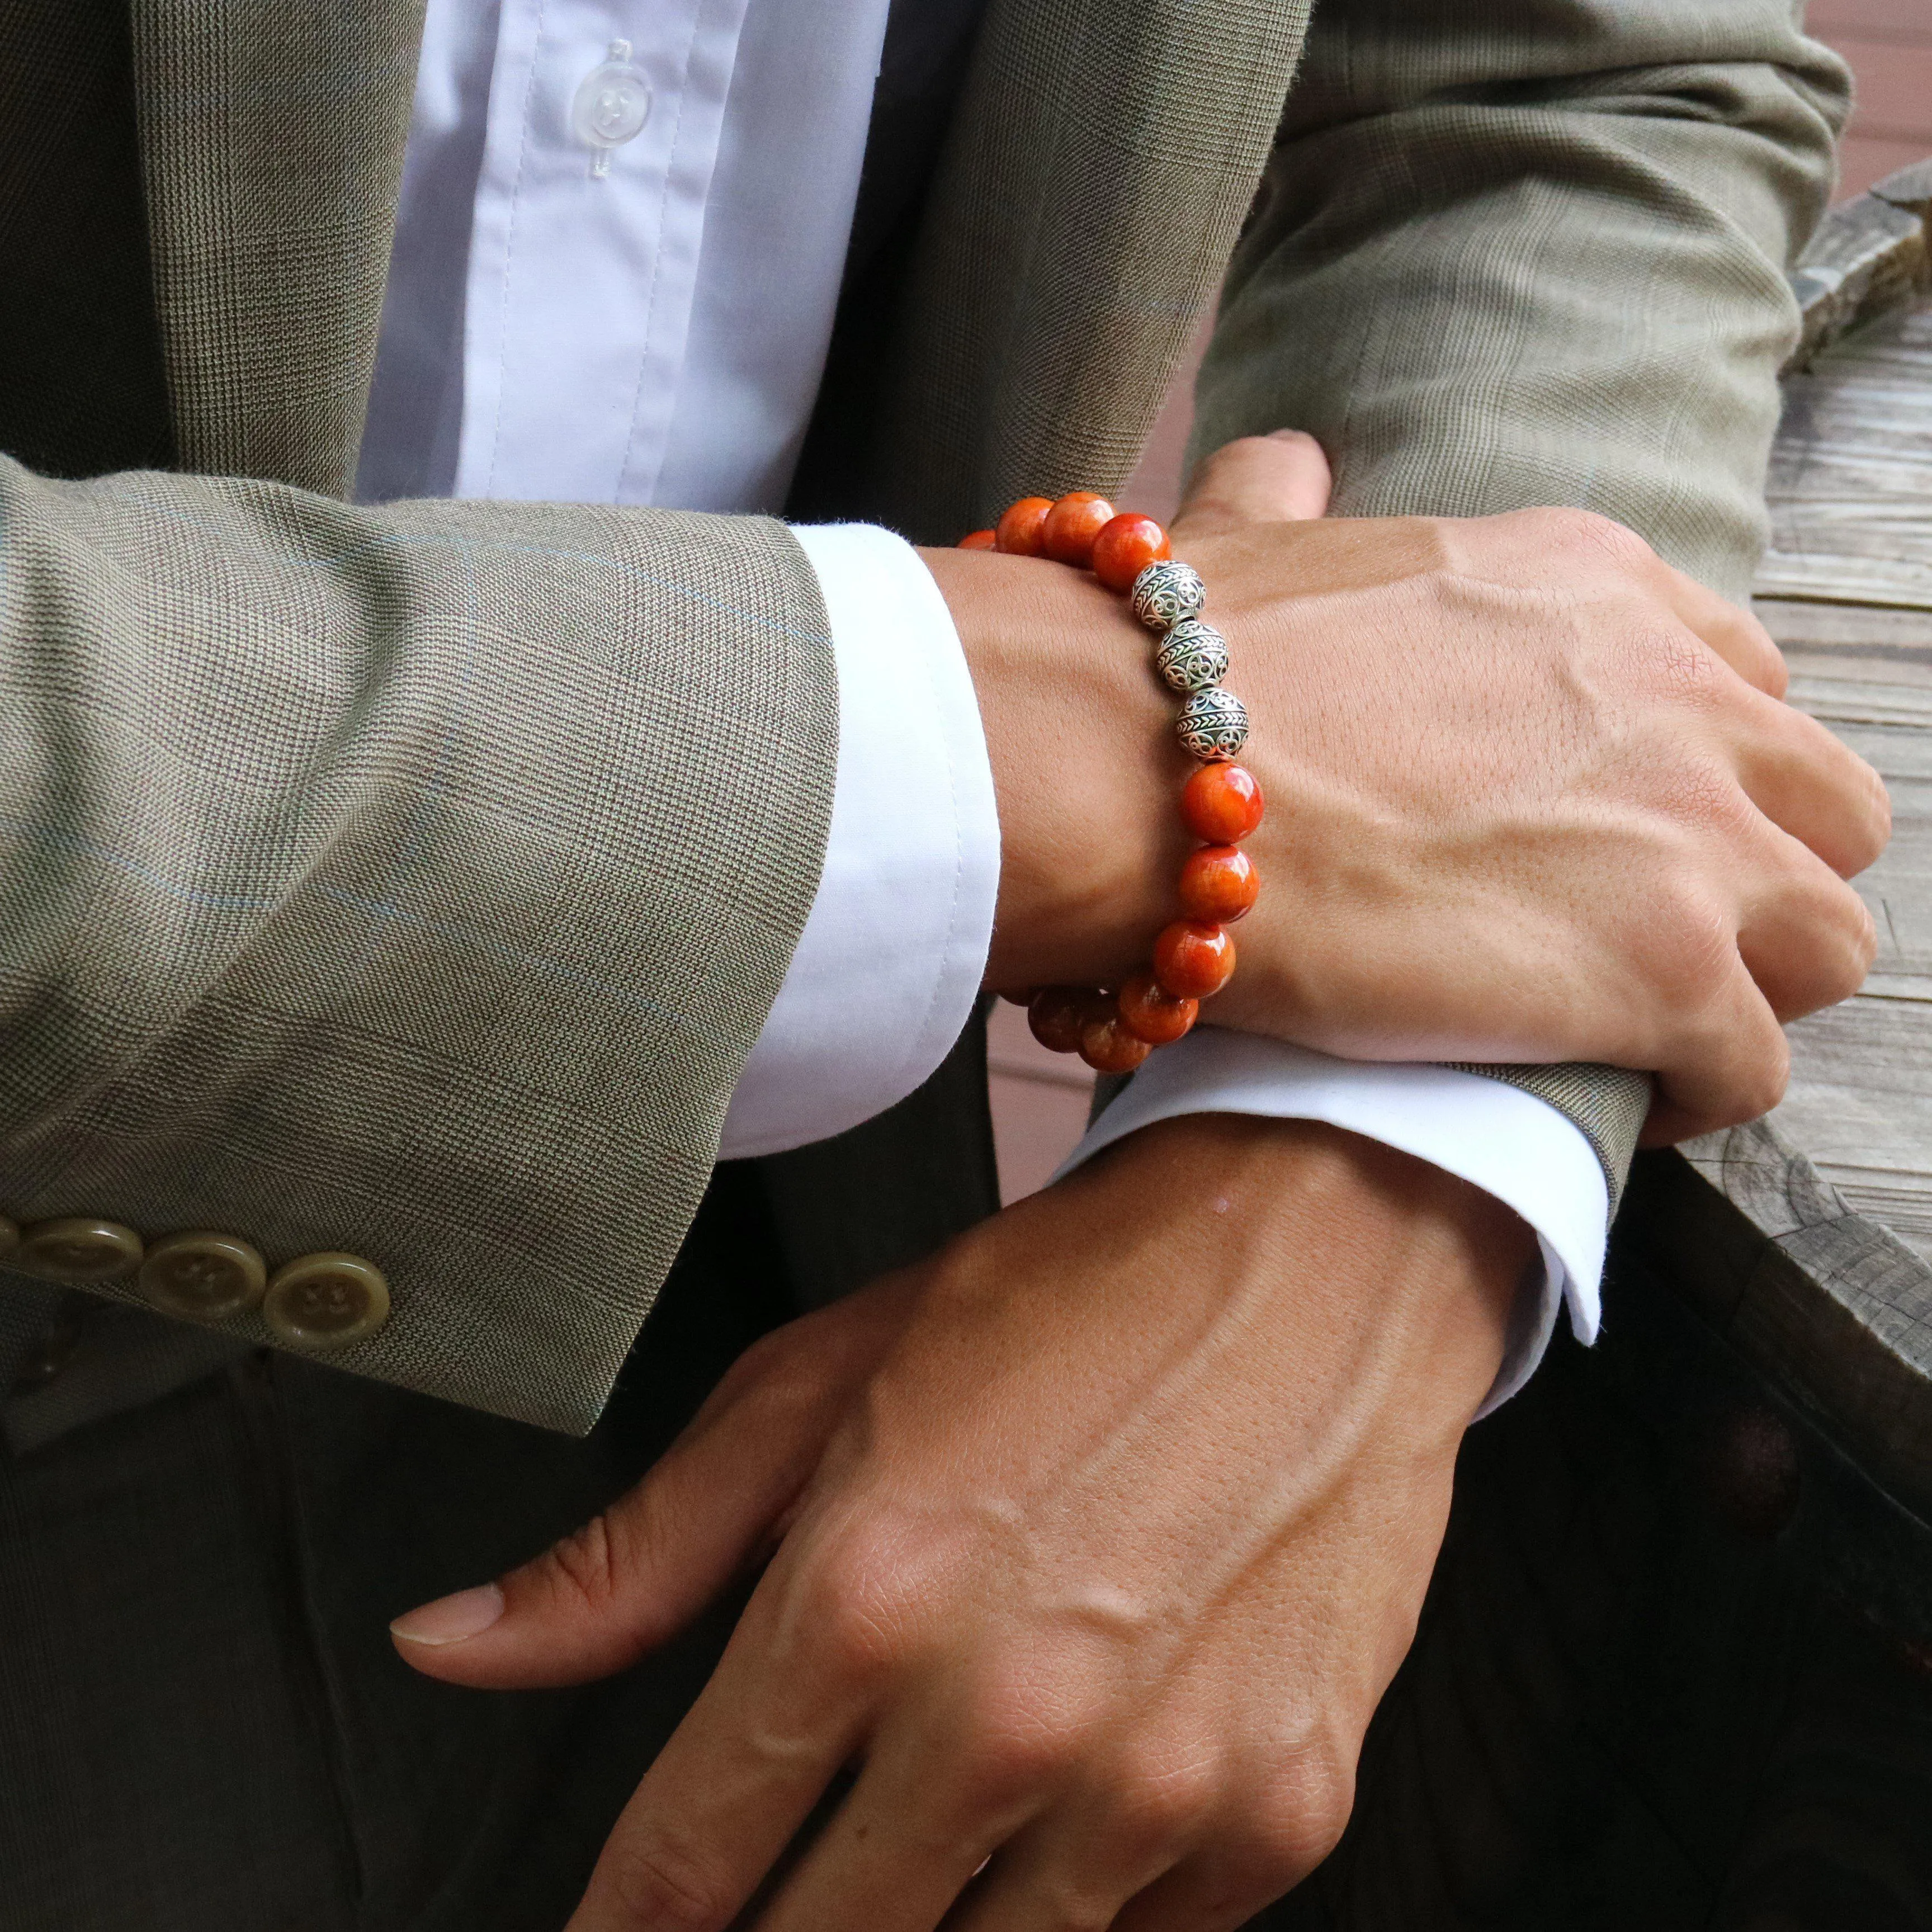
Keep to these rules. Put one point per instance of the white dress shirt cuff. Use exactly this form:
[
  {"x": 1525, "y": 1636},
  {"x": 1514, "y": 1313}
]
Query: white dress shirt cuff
[
  {"x": 890, "y": 960},
  {"x": 1508, "y": 1143}
]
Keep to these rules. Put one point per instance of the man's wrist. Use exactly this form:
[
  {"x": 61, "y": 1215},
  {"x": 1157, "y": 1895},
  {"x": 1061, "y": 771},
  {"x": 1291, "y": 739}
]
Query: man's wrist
[
  {"x": 1508, "y": 1142},
  {"x": 1398, "y": 1282},
  {"x": 1084, "y": 767}
]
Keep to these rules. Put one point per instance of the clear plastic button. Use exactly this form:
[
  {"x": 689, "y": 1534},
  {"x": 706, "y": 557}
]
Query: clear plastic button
[{"x": 612, "y": 104}]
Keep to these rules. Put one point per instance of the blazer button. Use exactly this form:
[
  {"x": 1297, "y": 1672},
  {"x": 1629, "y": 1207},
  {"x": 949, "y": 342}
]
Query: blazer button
[
  {"x": 78, "y": 1251},
  {"x": 10, "y": 1238},
  {"x": 203, "y": 1276},
  {"x": 326, "y": 1300}
]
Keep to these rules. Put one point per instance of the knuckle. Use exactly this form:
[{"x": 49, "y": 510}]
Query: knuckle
[
  {"x": 1677, "y": 666},
  {"x": 584, "y": 1564},
  {"x": 1876, "y": 812},
  {"x": 1038, "y": 1721},
  {"x": 1072, "y": 1906},
  {"x": 1293, "y": 1823},
  {"x": 1864, "y": 944},
  {"x": 1164, "y": 1799},
  {"x": 1760, "y": 1097},
  {"x": 1013, "y": 1747},
  {"x": 1689, "y": 946},
  {"x": 864, "y": 1607},
  {"x": 1776, "y": 673},
  {"x": 660, "y": 1882},
  {"x": 1563, "y": 527},
  {"x": 1761, "y": 1079},
  {"x": 1858, "y": 933}
]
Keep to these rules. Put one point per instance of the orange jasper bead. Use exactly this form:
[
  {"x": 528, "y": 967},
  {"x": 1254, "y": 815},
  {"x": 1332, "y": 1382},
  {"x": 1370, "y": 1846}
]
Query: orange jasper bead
[
  {"x": 1219, "y": 882},
  {"x": 1125, "y": 548},
  {"x": 1056, "y": 1014},
  {"x": 1018, "y": 531},
  {"x": 1108, "y": 1047},
  {"x": 1221, "y": 803},
  {"x": 1071, "y": 526},
  {"x": 1192, "y": 958},
  {"x": 1150, "y": 1013},
  {"x": 978, "y": 540}
]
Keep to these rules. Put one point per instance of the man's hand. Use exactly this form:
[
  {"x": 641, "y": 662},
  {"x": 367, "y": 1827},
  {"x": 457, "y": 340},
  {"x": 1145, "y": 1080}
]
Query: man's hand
[
  {"x": 1097, "y": 1540},
  {"x": 1532, "y": 795}
]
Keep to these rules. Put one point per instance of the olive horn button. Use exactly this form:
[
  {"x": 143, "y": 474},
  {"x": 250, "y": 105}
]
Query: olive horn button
[
  {"x": 77, "y": 1250},
  {"x": 204, "y": 1276},
  {"x": 325, "y": 1300}
]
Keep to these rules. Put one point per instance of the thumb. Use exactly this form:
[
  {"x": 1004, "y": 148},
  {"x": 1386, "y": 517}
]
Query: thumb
[
  {"x": 1257, "y": 479},
  {"x": 633, "y": 1576}
]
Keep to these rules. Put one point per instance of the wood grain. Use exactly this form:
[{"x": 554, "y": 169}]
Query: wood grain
[
  {"x": 1847, "y": 588},
  {"x": 1675, "y": 1667}
]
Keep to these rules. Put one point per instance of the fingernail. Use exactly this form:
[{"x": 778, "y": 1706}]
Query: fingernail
[{"x": 452, "y": 1619}]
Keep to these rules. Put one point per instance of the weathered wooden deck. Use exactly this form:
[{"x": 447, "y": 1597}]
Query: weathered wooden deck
[
  {"x": 1675, "y": 1667},
  {"x": 1840, "y": 1177}
]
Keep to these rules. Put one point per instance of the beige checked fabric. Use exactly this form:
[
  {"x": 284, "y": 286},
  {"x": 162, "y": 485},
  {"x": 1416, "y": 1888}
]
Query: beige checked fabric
[
  {"x": 411, "y": 883},
  {"x": 355, "y": 884}
]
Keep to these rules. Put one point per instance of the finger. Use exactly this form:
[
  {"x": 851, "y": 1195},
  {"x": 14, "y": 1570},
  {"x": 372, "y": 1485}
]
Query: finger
[
  {"x": 1814, "y": 786},
  {"x": 1731, "y": 1065},
  {"x": 1281, "y": 1821},
  {"x": 1257, "y": 479},
  {"x": 1042, "y": 1884},
  {"x": 1732, "y": 631},
  {"x": 1809, "y": 944},
  {"x": 635, "y": 1574},
  {"x": 1134, "y": 1816},
  {"x": 739, "y": 1776},
  {"x": 904, "y": 1844},
  {"x": 1204, "y": 1895}
]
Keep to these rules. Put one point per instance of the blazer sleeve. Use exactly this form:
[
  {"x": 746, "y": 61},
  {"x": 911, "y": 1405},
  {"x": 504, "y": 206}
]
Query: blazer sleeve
[
  {"x": 408, "y": 885},
  {"x": 1535, "y": 254}
]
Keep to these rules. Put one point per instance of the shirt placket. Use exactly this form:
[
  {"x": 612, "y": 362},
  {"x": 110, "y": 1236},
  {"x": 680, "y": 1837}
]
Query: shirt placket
[{"x": 605, "y": 123}]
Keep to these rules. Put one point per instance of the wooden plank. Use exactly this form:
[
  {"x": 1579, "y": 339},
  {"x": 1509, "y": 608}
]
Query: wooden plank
[
  {"x": 1868, "y": 255},
  {"x": 1847, "y": 589},
  {"x": 1851, "y": 473}
]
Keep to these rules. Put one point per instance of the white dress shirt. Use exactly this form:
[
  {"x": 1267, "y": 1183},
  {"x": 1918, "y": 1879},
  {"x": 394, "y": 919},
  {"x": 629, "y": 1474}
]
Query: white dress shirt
[{"x": 619, "y": 250}]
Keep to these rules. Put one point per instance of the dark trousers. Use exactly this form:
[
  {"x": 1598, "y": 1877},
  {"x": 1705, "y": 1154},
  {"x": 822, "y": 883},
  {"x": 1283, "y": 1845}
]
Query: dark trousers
[
  {"x": 1676, "y": 1669},
  {"x": 203, "y": 1727}
]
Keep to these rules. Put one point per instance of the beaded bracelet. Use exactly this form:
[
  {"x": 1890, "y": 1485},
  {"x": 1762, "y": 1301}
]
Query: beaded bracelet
[{"x": 1114, "y": 1028}]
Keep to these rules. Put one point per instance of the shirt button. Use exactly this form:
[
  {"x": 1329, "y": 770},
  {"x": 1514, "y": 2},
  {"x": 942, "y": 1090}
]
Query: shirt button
[
  {"x": 612, "y": 103},
  {"x": 78, "y": 1251},
  {"x": 203, "y": 1276},
  {"x": 326, "y": 1300}
]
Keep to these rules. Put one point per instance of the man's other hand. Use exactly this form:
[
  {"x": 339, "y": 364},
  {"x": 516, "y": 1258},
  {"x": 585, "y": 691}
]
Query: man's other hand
[
  {"x": 1093, "y": 1544},
  {"x": 1532, "y": 795}
]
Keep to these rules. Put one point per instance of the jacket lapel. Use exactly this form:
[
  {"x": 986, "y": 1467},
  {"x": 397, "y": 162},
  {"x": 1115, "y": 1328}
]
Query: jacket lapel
[
  {"x": 271, "y": 157},
  {"x": 1091, "y": 191}
]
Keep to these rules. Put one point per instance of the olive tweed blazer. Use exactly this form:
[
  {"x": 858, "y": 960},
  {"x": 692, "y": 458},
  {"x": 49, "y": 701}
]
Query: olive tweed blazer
[{"x": 346, "y": 894}]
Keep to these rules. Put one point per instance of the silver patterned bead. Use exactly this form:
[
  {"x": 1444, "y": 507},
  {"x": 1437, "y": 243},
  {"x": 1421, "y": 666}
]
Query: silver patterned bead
[
  {"x": 1213, "y": 725},
  {"x": 1193, "y": 655},
  {"x": 1164, "y": 593}
]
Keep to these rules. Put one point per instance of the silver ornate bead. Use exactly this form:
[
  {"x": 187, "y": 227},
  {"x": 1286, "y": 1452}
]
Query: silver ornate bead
[
  {"x": 1213, "y": 725},
  {"x": 1164, "y": 593},
  {"x": 1193, "y": 655}
]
